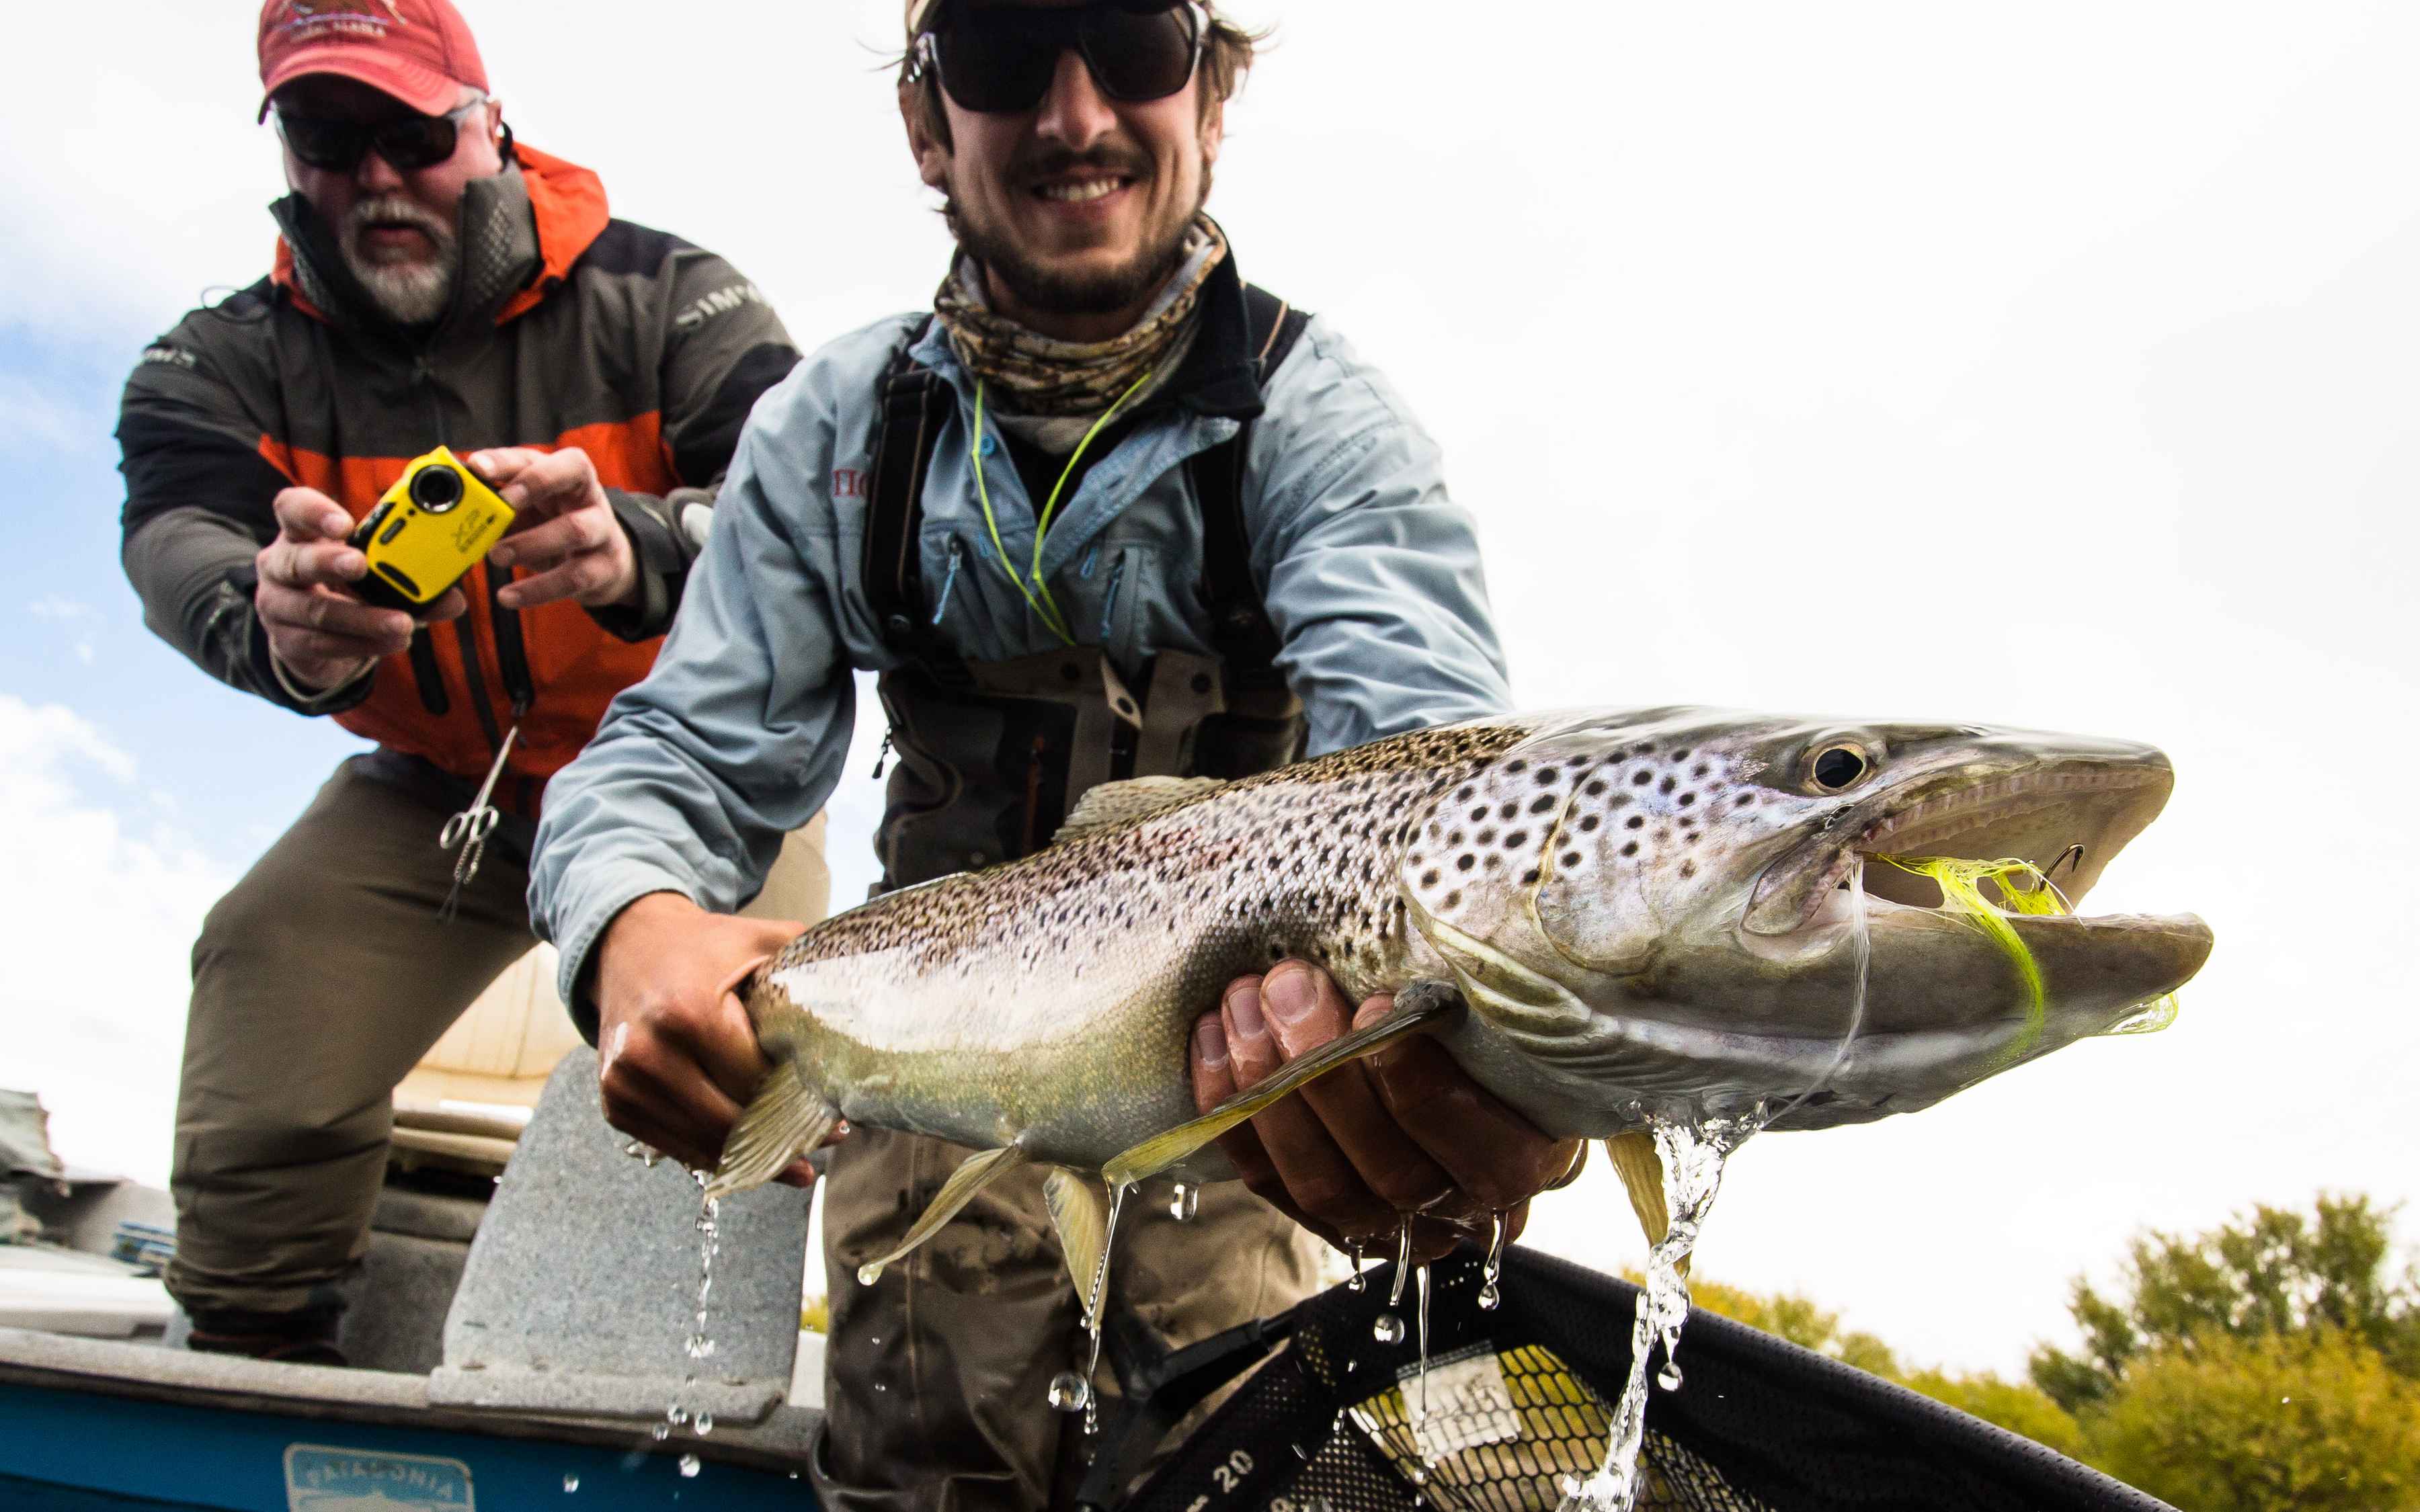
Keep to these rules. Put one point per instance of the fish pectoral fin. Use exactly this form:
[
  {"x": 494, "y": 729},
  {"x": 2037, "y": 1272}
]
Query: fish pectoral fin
[
  {"x": 1416, "y": 1009},
  {"x": 785, "y": 1119},
  {"x": 1117, "y": 804},
  {"x": 971, "y": 1177},
  {"x": 1079, "y": 1211},
  {"x": 1642, "y": 1175}
]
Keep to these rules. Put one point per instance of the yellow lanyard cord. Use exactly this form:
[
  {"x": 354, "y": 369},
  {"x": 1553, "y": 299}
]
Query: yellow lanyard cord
[{"x": 1037, "y": 596}]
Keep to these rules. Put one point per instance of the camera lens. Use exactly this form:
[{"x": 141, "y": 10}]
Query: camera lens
[{"x": 437, "y": 490}]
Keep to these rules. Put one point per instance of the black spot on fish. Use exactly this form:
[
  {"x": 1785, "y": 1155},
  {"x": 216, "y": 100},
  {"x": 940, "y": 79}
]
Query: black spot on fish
[
  {"x": 1479, "y": 814},
  {"x": 1688, "y": 869},
  {"x": 1452, "y": 900},
  {"x": 1687, "y": 799},
  {"x": 1516, "y": 768},
  {"x": 1682, "y": 754},
  {"x": 1571, "y": 858},
  {"x": 1667, "y": 785},
  {"x": 1487, "y": 837},
  {"x": 1590, "y": 823},
  {"x": 1529, "y": 876},
  {"x": 1641, "y": 778},
  {"x": 1701, "y": 769},
  {"x": 1546, "y": 776},
  {"x": 1595, "y": 788},
  {"x": 1429, "y": 878},
  {"x": 1463, "y": 863},
  {"x": 1514, "y": 809},
  {"x": 1636, "y": 821},
  {"x": 1631, "y": 849},
  {"x": 1545, "y": 801}
]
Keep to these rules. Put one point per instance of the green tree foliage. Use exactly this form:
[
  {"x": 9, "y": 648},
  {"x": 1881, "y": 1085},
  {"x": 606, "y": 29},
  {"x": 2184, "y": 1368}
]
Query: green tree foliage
[
  {"x": 2276, "y": 1272},
  {"x": 2271, "y": 1365},
  {"x": 2315, "y": 1422}
]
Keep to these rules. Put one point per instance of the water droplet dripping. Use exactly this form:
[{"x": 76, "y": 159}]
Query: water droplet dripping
[
  {"x": 1070, "y": 1392},
  {"x": 675, "y": 1414},
  {"x": 1388, "y": 1328},
  {"x": 868, "y": 1274},
  {"x": 705, "y": 1424},
  {"x": 1186, "y": 1202},
  {"x": 688, "y": 1467},
  {"x": 1421, "y": 1416},
  {"x": 570, "y": 1483},
  {"x": 1359, "y": 1282},
  {"x": 1692, "y": 1156},
  {"x": 1403, "y": 1259},
  {"x": 1669, "y": 1377},
  {"x": 1491, "y": 1271},
  {"x": 662, "y": 1432}
]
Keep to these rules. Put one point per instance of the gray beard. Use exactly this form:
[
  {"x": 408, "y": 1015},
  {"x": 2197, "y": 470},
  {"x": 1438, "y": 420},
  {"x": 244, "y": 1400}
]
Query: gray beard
[{"x": 408, "y": 294}]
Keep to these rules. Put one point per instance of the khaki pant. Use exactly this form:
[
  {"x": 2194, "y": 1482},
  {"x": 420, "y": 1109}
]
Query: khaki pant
[
  {"x": 936, "y": 1376},
  {"x": 318, "y": 983}
]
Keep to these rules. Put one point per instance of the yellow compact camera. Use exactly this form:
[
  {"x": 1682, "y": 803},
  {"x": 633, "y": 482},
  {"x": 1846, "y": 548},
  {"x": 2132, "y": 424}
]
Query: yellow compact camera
[{"x": 432, "y": 527}]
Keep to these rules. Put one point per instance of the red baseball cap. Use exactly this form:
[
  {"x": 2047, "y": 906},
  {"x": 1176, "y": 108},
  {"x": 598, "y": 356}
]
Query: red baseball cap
[{"x": 418, "y": 51}]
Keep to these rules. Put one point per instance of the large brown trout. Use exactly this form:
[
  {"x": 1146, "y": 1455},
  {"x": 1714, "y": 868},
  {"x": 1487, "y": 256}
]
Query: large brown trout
[{"x": 1605, "y": 916}]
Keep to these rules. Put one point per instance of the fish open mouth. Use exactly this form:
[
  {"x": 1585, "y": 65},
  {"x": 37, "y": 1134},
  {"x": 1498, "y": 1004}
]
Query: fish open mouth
[{"x": 2065, "y": 817}]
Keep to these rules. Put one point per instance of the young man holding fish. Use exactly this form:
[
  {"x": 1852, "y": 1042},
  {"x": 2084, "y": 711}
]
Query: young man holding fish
[
  {"x": 436, "y": 282},
  {"x": 1104, "y": 513}
]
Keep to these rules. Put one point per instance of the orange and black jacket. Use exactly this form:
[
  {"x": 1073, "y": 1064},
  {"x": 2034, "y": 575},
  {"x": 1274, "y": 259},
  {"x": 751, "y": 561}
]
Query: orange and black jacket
[{"x": 568, "y": 329}]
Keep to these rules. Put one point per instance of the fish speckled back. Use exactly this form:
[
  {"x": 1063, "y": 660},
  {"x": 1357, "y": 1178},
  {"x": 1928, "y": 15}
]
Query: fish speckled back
[{"x": 900, "y": 1011}]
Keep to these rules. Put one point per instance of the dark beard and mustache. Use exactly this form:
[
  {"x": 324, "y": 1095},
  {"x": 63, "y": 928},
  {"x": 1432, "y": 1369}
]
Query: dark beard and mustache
[
  {"x": 1040, "y": 286},
  {"x": 406, "y": 293}
]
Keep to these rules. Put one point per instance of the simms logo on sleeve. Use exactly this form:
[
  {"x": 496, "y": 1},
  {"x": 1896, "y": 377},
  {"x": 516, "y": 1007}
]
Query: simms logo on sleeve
[
  {"x": 323, "y": 1479},
  {"x": 721, "y": 301}
]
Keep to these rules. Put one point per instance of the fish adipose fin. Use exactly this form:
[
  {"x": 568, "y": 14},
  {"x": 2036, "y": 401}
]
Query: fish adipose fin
[
  {"x": 784, "y": 1121},
  {"x": 1642, "y": 1175},
  {"x": 970, "y": 1178},
  {"x": 1416, "y": 1008},
  {"x": 1079, "y": 1211},
  {"x": 1117, "y": 804}
]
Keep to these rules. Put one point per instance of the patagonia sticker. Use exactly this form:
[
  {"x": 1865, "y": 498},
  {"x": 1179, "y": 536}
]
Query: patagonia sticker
[
  {"x": 1467, "y": 1403},
  {"x": 324, "y": 1479}
]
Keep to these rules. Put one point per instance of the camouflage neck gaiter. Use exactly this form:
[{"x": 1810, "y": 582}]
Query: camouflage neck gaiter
[{"x": 1050, "y": 380}]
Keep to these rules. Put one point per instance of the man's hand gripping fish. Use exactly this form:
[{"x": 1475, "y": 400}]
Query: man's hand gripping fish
[{"x": 1604, "y": 915}]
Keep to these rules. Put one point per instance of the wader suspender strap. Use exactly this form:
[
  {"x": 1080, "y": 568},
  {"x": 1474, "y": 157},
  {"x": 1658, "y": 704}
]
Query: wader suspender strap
[
  {"x": 915, "y": 402},
  {"x": 1240, "y": 632}
]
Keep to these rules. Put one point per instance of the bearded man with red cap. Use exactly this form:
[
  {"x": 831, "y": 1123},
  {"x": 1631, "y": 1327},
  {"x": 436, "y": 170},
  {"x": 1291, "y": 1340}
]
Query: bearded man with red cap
[{"x": 435, "y": 283}]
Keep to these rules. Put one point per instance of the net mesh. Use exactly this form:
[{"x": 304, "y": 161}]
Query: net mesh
[{"x": 1513, "y": 1408}]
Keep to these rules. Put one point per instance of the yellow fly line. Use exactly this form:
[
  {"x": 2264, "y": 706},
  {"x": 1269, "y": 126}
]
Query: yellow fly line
[{"x": 2023, "y": 889}]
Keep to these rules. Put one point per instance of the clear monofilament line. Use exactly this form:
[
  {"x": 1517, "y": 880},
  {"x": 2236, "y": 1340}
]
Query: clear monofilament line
[{"x": 1862, "y": 942}]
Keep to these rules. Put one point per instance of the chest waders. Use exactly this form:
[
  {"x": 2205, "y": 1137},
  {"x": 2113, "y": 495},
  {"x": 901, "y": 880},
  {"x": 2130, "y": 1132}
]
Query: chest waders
[{"x": 992, "y": 755}]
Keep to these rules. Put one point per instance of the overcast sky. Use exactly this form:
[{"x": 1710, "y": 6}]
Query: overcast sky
[{"x": 2048, "y": 366}]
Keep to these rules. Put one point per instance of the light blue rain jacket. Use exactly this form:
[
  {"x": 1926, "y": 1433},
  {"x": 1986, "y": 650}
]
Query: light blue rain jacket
[{"x": 1371, "y": 573}]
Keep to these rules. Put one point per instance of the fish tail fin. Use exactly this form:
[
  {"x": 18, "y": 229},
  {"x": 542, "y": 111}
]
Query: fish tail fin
[
  {"x": 786, "y": 1120},
  {"x": 971, "y": 1177},
  {"x": 1416, "y": 1008},
  {"x": 1642, "y": 1175},
  {"x": 1079, "y": 1211}
]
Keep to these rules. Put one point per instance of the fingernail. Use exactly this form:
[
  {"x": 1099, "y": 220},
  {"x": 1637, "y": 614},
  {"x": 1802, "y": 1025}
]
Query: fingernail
[
  {"x": 1291, "y": 994},
  {"x": 1244, "y": 1006},
  {"x": 501, "y": 557},
  {"x": 510, "y": 598},
  {"x": 1210, "y": 1043}
]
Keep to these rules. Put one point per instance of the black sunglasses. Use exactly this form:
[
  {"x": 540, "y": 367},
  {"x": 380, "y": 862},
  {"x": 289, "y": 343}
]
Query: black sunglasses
[
  {"x": 1001, "y": 59},
  {"x": 407, "y": 143}
]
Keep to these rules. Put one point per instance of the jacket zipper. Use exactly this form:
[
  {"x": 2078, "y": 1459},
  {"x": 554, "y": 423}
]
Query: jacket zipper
[{"x": 466, "y": 641}]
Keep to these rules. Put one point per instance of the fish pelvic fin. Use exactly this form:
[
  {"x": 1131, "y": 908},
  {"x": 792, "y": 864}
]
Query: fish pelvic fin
[
  {"x": 784, "y": 1120},
  {"x": 1079, "y": 1211},
  {"x": 1642, "y": 1175},
  {"x": 1416, "y": 1009},
  {"x": 972, "y": 1176},
  {"x": 1117, "y": 804}
]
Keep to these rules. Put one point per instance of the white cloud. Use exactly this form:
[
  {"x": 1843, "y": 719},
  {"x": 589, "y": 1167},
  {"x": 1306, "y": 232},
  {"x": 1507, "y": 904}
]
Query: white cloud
[{"x": 97, "y": 917}]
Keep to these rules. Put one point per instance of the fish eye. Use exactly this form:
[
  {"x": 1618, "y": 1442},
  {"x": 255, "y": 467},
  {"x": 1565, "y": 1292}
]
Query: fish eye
[{"x": 1837, "y": 768}]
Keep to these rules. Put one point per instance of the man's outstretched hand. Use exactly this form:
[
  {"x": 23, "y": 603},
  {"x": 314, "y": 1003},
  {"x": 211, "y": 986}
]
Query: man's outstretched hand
[
  {"x": 676, "y": 1056},
  {"x": 563, "y": 531},
  {"x": 1403, "y": 1131}
]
